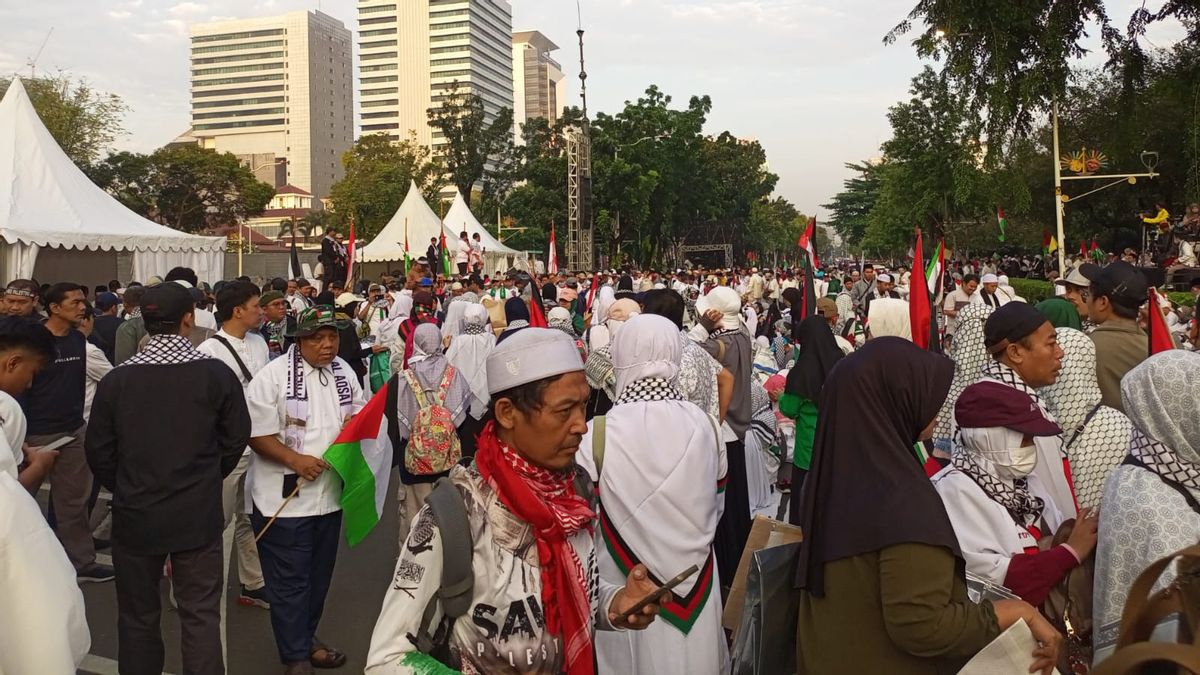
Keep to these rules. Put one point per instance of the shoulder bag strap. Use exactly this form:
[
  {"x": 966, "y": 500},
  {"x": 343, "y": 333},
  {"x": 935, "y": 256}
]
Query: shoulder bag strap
[
  {"x": 1135, "y": 626},
  {"x": 417, "y": 391},
  {"x": 598, "y": 426},
  {"x": 1083, "y": 425},
  {"x": 458, "y": 577},
  {"x": 241, "y": 364},
  {"x": 444, "y": 387}
]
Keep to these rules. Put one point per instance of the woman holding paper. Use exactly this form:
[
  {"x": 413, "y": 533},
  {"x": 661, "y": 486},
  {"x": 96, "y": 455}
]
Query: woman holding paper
[{"x": 880, "y": 569}]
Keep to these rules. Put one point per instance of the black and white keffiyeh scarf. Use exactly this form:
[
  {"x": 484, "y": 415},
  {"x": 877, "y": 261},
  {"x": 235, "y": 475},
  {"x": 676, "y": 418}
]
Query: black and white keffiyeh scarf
[
  {"x": 1005, "y": 375},
  {"x": 474, "y": 329},
  {"x": 649, "y": 389},
  {"x": 163, "y": 350},
  {"x": 1024, "y": 507},
  {"x": 1162, "y": 460}
]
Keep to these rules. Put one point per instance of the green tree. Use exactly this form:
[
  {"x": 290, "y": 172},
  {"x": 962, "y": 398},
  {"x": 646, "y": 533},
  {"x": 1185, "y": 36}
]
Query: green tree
[
  {"x": 472, "y": 141},
  {"x": 378, "y": 172},
  {"x": 1007, "y": 61},
  {"x": 188, "y": 188},
  {"x": 83, "y": 121},
  {"x": 851, "y": 208}
]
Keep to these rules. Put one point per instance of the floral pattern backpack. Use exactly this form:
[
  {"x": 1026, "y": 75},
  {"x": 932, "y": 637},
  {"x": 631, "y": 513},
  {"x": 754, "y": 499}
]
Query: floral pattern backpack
[{"x": 433, "y": 445}]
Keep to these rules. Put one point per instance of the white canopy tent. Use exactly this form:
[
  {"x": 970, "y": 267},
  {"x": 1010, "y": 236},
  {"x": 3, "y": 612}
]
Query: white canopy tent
[
  {"x": 497, "y": 256},
  {"x": 48, "y": 205},
  {"x": 414, "y": 221}
]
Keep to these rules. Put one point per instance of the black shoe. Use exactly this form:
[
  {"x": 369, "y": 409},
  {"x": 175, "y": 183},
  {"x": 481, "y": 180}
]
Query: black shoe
[
  {"x": 254, "y": 598},
  {"x": 95, "y": 573}
]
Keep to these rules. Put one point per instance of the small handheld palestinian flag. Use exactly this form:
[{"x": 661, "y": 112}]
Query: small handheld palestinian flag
[
  {"x": 362, "y": 457},
  {"x": 1002, "y": 222},
  {"x": 1160, "y": 338}
]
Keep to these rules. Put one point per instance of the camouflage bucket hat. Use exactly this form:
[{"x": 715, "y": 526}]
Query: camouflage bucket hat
[{"x": 315, "y": 318}]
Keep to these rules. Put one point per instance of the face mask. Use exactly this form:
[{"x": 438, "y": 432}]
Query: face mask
[{"x": 1022, "y": 461}]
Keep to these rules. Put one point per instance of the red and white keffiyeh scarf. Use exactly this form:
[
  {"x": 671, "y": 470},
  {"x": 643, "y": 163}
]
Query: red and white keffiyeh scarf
[{"x": 547, "y": 501}]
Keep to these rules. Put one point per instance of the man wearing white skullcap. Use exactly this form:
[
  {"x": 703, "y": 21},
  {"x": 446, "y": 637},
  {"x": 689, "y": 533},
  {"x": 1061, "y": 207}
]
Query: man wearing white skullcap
[
  {"x": 725, "y": 337},
  {"x": 988, "y": 295},
  {"x": 530, "y": 522},
  {"x": 885, "y": 285}
]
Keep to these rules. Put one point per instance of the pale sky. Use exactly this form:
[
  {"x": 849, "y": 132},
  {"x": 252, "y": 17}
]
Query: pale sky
[{"x": 809, "y": 79}]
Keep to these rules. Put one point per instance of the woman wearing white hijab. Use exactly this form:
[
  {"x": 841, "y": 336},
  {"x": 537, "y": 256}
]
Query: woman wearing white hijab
[
  {"x": 658, "y": 506},
  {"x": 389, "y": 330},
  {"x": 600, "y": 331},
  {"x": 468, "y": 353},
  {"x": 453, "y": 325},
  {"x": 599, "y": 368},
  {"x": 1151, "y": 504},
  {"x": 889, "y": 317}
]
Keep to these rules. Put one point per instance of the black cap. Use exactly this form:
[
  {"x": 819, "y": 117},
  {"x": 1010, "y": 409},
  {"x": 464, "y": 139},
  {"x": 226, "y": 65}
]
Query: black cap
[
  {"x": 1120, "y": 282},
  {"x": 1011, "y": 323},
  {"x": 166, "y": 303}
]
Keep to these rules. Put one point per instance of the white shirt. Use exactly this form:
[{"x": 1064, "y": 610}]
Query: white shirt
[
  {"x": 252, "y": 349},
  {"x": 955, "y": 300},
  {"x": 463, "y": 253},
  {"x": 298, "y": 303},
  {"x": 96, "y": 367},
  {"x": 13, "y": 424},
  {"x": 41, "y": 608},
  {"x": 265, "y": 397},
  {"x": 206, "y": 319}
]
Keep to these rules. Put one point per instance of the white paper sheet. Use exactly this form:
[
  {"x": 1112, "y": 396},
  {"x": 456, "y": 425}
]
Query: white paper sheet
[{"x": 1010, "y": 653}]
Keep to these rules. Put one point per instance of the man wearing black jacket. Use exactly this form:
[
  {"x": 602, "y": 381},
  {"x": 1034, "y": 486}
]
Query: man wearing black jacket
[{"x": 168, "y": 504}]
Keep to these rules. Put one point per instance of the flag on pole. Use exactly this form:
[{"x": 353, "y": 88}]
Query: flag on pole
[
  {"x": 552, "y": 258},
  {"x": 1001, "y": 221},
  {"x": 808, "y": 242},
  {"x": 1160, "y": 337},
  {"x": 1096, "y": 253},
  {"x": 537, "y": 311},
  {"x": 407, "y": 259},
  {"x": 294, "y": 269},
  {"x": 920, "y": 308},
  {"x": 362, "y": 457},
  {"x": 350, "y": 256},
  {"x": 445, "y": 254},
  {"x": 1049, "y": 243},
  {"x": 933, "y": 271}
]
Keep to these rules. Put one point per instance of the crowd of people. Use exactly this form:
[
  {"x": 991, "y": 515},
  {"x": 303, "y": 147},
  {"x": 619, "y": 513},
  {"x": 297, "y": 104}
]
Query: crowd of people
[{"x": 565, "y": 444}]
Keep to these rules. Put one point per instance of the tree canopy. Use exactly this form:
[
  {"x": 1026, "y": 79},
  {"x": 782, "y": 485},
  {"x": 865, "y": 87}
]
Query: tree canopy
[
  {"x": 378, "y": 172},
  {"x": 83, "y": 121}
]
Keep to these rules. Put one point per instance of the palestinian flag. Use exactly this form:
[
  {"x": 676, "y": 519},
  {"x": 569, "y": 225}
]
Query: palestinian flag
[
  {"x": 1001, "y": 221},
  {"x": 407, "y": 259},
  {"x": 1096, "y": 253},
  {"x": 350, "y": 257},
  {"x": 552, "y": 258},
  {"x": 1160, "y": 338},
  {"x": 362, "y": 457},
  {"x": 920, "y": 307},
  {"x": 810, "y": 263},
  {"x": 933, "y": 271},
  {"x": 445, "y": 255}
]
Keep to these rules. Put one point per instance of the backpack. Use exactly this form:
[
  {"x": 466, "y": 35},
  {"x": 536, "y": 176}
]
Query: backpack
[
  {"x": 457, "y": 587},
  {"x": 433, "y": 445}
]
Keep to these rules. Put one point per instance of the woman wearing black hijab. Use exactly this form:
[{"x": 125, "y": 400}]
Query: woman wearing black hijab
[
  {"x": 625, "y": 287},
  {"x": 882, "y": 579},
  {"x": 818, "y": 354}
]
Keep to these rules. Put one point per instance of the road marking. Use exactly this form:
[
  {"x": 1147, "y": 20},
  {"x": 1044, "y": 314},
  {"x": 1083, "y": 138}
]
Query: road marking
[{"x": 99, "y": 665}]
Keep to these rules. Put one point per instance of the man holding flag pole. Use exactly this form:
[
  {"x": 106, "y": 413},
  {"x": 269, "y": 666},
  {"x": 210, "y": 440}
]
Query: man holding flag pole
[{"x": 298, "y": 405}]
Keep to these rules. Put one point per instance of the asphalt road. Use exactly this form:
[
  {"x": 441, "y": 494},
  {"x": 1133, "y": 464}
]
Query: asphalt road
[{"x": 360, "y": 579}]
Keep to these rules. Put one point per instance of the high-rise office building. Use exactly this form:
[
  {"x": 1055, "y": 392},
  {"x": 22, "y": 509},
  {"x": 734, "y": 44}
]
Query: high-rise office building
[
  {"x": 278, "y": 93},
  {"x": 412, "y": 51},
  {"x": 538, "y": 81}
]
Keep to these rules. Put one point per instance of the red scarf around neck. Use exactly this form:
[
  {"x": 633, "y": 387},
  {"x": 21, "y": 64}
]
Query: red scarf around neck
[{"x": 547, "y": 501}]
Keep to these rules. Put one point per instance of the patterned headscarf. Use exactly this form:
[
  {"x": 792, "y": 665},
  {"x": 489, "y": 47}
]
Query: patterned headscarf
[
  {"x": 1162, "y": 399},
  {"x": 1094, "y": 448},
  {"x": 969, "y": 356},
  {"x": 974, "y": 450}
]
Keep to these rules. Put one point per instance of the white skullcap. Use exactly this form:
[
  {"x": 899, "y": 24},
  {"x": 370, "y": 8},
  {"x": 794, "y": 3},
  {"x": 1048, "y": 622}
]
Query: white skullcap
[
  {"x": 528, "y": 355},
  {"x": 885, "y": 278},
  {"x": 1003, "y": 279},
  {"x": 989, "y": 279}
]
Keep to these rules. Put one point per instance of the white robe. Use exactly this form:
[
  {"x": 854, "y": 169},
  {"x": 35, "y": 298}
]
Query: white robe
[
  {"x": 43, "y": 626},
  {"x": 986, "y": 532},
  {"x": 661, "y": 500}
]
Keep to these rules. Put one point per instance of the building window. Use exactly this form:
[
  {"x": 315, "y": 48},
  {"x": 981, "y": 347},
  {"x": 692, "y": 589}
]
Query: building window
[
  {"x": 238, "y": 113},
  {"x": 235, "y": 69},
  {"x": 380, "y": 92},
  {"x": 381, "y": 66},
  {"x": 236, "y": 80},
  {"x": 381, "y": 127},
  {"x": 380, "y": 104},
  {"x": 239, "y": 46},
  {"x": 238, "y": 57},
  {"x": 381, "y": 55},
  {"x": 378, "y": 80},
  {"x": 236, "y": 125},
  {"x": 234, "y": 102},
  {"x": 243, "y": 90},
  {"x": 376, "y": 20},
  {"x": 376, "y": 9},
  {"x": 240, "y": 36},
  {"x": 380, "y": 31}
]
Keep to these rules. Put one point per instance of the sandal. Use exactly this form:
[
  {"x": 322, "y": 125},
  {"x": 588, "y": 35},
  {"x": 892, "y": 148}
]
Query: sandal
[{"x": 324, "y": 656}]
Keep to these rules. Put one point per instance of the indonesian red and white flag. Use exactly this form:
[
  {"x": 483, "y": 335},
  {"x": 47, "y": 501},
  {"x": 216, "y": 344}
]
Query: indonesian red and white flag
[{"x": 552, "y": 259}]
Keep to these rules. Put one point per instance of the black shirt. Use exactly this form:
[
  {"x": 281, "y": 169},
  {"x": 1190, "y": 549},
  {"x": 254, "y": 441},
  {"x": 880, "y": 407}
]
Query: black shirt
[
  {"x": 162, "y": 438},
  {"x": 54, "y": 404},
  {"x": 104, "y": 335}
]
